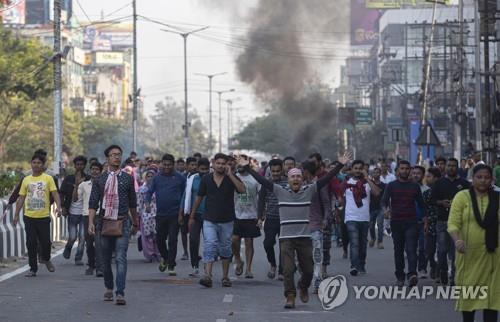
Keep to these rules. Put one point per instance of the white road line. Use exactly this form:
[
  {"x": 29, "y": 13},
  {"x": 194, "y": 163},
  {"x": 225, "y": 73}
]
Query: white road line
[
  {"x": 220, "y": 320},
  {"x": 23, "y": 269},
  {"x": 228, "y": 298}
]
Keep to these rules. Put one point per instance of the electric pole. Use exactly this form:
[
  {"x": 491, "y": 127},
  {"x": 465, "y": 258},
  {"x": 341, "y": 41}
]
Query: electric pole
[
  {"x": 186, "y": 125},
  {"x": 210, "y": 133},
  {"x": 134, "y": 94},
  {"x": 57, "y": 89},
  {"x": 460, "y": 60},
  {"x": 220, "y": 115}
]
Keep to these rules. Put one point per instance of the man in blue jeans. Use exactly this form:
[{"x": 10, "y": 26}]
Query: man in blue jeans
[
  {"x": 357, "y": 191},
  {"x": 400, "y": 201},
  {"x": 114, "y": 194},
  {"x": 73, "y": 209},
  {"x": 218, "y": 188}
]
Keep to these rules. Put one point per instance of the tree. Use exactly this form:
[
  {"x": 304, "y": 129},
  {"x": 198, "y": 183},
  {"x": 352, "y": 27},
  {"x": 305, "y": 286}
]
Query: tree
[{"x": 25, "y": 80}]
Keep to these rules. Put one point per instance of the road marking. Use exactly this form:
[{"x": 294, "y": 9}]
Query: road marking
[
  {"x": 228, "y": 298},
  {"x": 23, "y": 269},
  {"x": 220, "y": 320}
]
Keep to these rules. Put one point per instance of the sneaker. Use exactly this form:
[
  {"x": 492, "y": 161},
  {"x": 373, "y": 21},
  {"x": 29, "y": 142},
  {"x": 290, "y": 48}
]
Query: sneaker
[
  {"x": 163, "y": 265},
  {"x": 89, "y": 271},
  {"x": 413, "y": 280},
  {"x": 272, "y": 273},
  {"x": 30, "y": 274},
  {"x": 353, "y": 272},
  {"x": 380, "y": 245},
  {"x": 78, "y": 262},
  {"x": 195, "y": 272},
  {"x": 171, "y": 271},
  {"x": 206, "y": 281},
  {"x": 67, "y": 253},
  {"x": 371, "y": 243},
  {"x": 280, "y": 277},
  {"x": 249, "y": 275},
  {"x": 422, "y": 273},
  {"x": 290, "y": 302},
  {"x": 99, "y": 274},
  {"x": 50, "y": 266},
  {"x": 108, "y": 296},
  {"x": 185, "y": 257},
  {"x": 120, "y": 300}
]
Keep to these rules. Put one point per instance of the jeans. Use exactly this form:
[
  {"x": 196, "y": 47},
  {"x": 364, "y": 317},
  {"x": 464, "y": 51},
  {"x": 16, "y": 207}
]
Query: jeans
[
  {"x": 75, "y": 231},
  {"x": 377, "y": 217},
  {"x": 93, "y": 244},
  {"x": 37, "y": 234},
  {"x": 430, "y": 250},
  {"x": 327, "y": 244},
  {"x": 271, "y": 230},
  {"x": 194, "y": 241},
  {"x": 421, "y": 255},
  {"x": 358, "y": 237},
  {"x": 167, "y": 227},
  {"x": 317, "y": 253},
  {"x": 445, "y": 251},
  {"x": 217, "y": 239},
  {"x": 405, "y": 238},
  {"x": 301, "y": 246},
  {"x": 120, "y": 246}
]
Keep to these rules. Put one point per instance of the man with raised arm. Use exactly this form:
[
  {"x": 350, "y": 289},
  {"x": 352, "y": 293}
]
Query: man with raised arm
[{"x": 295, "y": 236}]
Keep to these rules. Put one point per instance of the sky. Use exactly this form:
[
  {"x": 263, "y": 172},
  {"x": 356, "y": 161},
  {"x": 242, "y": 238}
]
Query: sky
[{"x": 160, "y": 54}]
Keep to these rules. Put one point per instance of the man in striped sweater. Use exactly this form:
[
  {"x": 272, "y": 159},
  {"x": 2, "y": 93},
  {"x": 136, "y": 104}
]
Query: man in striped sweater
[{"x": 295, "y": 235}]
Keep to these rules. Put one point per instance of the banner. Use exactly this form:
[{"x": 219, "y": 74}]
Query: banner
[
  {"x": 397, "y": 4},
  {"x": 13, "y": 12},
  {"x": 364, "y": 24}
]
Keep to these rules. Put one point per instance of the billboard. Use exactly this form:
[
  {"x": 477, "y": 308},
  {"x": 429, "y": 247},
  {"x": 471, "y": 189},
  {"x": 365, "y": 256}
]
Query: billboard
[
  {"x": 108, "y": 36},
  {"x": 108, "y": 58},
  {"x": 13, "y": 12},
  {"x": 364, "y": 24},
  {"x": 396, "y": 4}
]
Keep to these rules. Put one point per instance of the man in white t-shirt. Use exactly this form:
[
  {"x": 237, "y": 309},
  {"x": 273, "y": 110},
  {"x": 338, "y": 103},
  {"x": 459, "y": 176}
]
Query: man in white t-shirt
[
  {"x": 357, "y": 191},
  {"x": 92, "y": 242},
  {"x": 246, "y": 225},
  {"x": 386, "y": 176}
]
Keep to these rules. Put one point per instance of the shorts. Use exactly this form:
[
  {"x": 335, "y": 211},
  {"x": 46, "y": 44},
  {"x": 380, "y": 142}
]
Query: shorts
[
  {"x": 217, "y": 240},
  {"x": 246, "y": 228}
]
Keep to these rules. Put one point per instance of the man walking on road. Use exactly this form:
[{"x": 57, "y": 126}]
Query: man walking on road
[
  {"x": 443, "y": 192},
  {"x": 295, "y": 235},
  {"x": 218, "y": 189},
  {"x": 73, "y": 209},
  {"x": 168, "y": 187},
  {"x": 246, "y": 225},
  {"x": 268, "y": 211},
  {"x": 400, "y": 199},
  {"x": 113, "y": 193},
  {"x": 36, "y": 189},
  {"x": 357, "y": 191},
  {"x": 93, "y": 243}
]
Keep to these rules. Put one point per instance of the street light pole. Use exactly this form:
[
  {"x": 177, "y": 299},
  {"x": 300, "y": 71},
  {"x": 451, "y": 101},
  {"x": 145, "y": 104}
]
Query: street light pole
[
  {"x": 210, "y": 133},
  {"x": 220, "y": 115},
  {"x": 185, "y": 35}
]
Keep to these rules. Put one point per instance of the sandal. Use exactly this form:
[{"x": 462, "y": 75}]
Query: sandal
[
  {"x": 239, "y": 268},
  {"x": 108, "y": 296},
  {"x": 206, "y": 281},
  {"x": 271, "y": 274},
  {"x": 226, "y": 282},
  {"x": 120, "y": 300}
]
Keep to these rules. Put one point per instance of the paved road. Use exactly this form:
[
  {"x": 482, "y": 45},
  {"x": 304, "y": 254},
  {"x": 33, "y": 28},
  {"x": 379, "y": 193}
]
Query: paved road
[{"x": 69, "y": 295}]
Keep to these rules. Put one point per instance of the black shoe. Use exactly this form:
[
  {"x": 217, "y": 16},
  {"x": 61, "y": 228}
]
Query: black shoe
[
  {"x": 67, "y": 253},
  {"x": 99, "y": 274},
  {"x": 353, "y": 272},
  {"x": 413, "y": 280}
]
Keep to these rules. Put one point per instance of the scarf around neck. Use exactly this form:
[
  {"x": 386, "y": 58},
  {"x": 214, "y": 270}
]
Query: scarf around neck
[
  {"x": 358, "y": 191},
  {"x": 490, "y": 221},
  {"x": 111, "y": 200}
]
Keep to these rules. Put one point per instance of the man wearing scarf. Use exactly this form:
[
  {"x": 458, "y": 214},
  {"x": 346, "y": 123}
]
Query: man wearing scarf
[
  {"x": 357, "y": 191},
  {"x": 114, "y": 194}
]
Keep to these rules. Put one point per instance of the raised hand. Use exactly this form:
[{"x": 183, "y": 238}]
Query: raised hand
[
  {"x": 242, "y": 161},
  {"x": 346, "y": 157}
]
